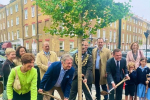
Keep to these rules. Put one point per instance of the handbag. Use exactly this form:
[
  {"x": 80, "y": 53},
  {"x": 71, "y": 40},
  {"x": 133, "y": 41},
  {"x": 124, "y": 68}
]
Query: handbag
[{"x": 16, "y": 84}]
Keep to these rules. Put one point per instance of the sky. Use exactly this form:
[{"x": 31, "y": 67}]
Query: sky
[{"x": 140, "y": 7}]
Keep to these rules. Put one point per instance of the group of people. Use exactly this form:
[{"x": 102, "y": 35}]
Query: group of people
[{"x": 103, "y": 68}]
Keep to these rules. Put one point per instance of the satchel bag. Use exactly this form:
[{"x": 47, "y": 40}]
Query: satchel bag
[{"x": 16, "y": 84}]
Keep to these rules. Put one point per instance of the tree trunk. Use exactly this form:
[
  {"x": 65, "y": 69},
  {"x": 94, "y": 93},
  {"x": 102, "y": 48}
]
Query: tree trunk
[{"x": 80, "y": 68}]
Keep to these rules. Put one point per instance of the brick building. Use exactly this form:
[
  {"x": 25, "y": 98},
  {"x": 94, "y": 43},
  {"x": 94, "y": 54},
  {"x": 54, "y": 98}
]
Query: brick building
[{"x": 22, "y": 23}]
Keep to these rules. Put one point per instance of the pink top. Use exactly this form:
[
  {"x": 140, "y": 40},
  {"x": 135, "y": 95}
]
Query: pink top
[{"x": 130, "y": 58}]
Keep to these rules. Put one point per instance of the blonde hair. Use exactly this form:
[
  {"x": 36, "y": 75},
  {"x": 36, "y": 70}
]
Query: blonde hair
[
  {"x": 9, "y": 50},
  {"x": 131, "y": 64},
  {"x": 132, "y": 45}
]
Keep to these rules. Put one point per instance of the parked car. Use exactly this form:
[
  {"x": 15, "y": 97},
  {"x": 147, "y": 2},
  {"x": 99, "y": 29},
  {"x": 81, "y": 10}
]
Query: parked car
[
  {"x": 75, "y": 50},
  {"x": 148, "y": 56},
  {"x": 2, "y": 59},
  {"x": 2, "y": 52}
]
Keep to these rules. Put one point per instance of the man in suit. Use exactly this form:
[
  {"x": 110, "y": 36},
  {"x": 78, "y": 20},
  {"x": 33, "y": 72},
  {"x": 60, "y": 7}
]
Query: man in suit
[
  {"x": 86, "y": 71},
  {"x": 116, "y": 70},
  {"x": 100, "y": 56},
  {"x": 90, "y": 77},
  {"x": 44, "y": 60},
  {"x": 58, "y": 77}
]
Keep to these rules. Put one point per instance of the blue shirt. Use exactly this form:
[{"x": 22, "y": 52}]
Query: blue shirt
[
  {"x": 98, "y": 58},
  {"x": 46, "y": 53},
  {"x": 61, "y": 76},
  {"x": 142, "y": 68}
]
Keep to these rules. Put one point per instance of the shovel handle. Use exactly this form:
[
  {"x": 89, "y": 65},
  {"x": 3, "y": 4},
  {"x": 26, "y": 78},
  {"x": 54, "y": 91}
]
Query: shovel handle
[
  {"x": 51, "y": 96},
  {"x": 86, "y": 86},
  {"x": 119, "y": 84}
]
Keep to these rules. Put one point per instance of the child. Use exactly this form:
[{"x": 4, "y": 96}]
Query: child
[
  {"x": 130, "y": 84},
  {"x": 142, "y": 71},
  {"x": 148, "y": 83}
]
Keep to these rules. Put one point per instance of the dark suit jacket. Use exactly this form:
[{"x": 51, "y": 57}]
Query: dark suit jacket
[
  {"x": 6, "y": 68},
  {"x": 86, "y": 70},
  {"x": 51, "y": 76},
  {"x": 111, "y": 69}
]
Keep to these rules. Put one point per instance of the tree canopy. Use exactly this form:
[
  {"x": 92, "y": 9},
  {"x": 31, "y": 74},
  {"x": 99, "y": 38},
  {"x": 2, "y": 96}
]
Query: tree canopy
[{"x": 75, "y": 15}]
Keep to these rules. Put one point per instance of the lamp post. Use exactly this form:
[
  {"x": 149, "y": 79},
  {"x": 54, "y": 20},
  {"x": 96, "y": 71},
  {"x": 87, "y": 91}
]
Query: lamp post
[
  {"x": 119, "y": 39},
  {"x": 146, "y": 35}
]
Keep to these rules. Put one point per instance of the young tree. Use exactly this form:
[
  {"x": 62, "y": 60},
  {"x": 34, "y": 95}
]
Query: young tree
[{"x": 76, "y": 15}]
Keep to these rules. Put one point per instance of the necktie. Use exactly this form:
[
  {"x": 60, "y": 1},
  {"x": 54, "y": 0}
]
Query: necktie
[{"x": 117, "y": 72}]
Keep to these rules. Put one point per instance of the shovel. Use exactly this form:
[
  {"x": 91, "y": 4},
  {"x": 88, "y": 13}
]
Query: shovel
[
  {"x": 87, "y": 88},
  {"x": 50, "y": 96},
  {"x": 106, "y": 93}
]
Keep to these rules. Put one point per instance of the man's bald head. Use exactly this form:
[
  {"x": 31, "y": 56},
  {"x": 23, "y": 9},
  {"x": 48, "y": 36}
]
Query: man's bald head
[
  {"x": 86, "y": 44},
  {"x": 45, "y": 46}
]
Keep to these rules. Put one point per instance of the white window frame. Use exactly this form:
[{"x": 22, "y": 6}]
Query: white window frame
[
  {"x": 17, "y": 20},
  {"x": 133, "y": 29},
  {"x": 139, "y": 30},
  {"x": 1, "y": 37},
  {"x": 7, "y": 23},
  {"x": 16, "y": 7},
  {"x": 98, "y": 33},
  {"x": 12, "y": 34},
  {"x": 123, "y": 38},
  {"x": 104, "y": 35},
  {"x": 4, "y": 37},
  {"x": 127, "y": 27},
  {"x": 127, "y": 38},
  {"x": 11, "y": 10},
  {"x": 71, "y": 45},
  {"x": 27, "y": 46},
  {"x": 130, "y": 39},
  {"x": 3, "y": 25},
  {"x": 3, "y": 15},
  {"x": 136, "y": 21},
  {"x": 130, "y": 28},
  {"x": 114, "y": 36},
  {"x": 7, "y": 12},
  {"x": 123, "y": 26},
  {"x": 136, "y": 30},
  {"x": 18, "y": 34},
  {"x": 115, "y": 24},
  {"x": 130, "y": 19},
  {"x": 33, "y": 29},
  {"x": 26, "y": 13},
  {"x": 25, "y": 1},
  {"x": 110, "y": 36},
  {"x": 33, "y": 11},
  {"x": 8, "y": 36},
  {"x": 61, "y": 46},
  {"x": 133, "y": 38},
  {"x": 26, "y": 31},
  {"x": 110, "y": 24},
  {"x": 11, "y": 22}
]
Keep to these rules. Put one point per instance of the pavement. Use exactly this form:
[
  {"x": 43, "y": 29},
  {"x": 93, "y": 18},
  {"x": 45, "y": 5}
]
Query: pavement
[{"x": 93, "y": 92}]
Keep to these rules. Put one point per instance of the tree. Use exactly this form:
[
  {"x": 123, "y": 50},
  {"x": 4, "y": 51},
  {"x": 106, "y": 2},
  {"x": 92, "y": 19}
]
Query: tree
[{"x": 76, "y": 15}]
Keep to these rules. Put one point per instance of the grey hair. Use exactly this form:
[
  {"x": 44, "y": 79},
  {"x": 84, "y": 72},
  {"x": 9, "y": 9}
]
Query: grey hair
[{"x": 66, "y": 57}]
